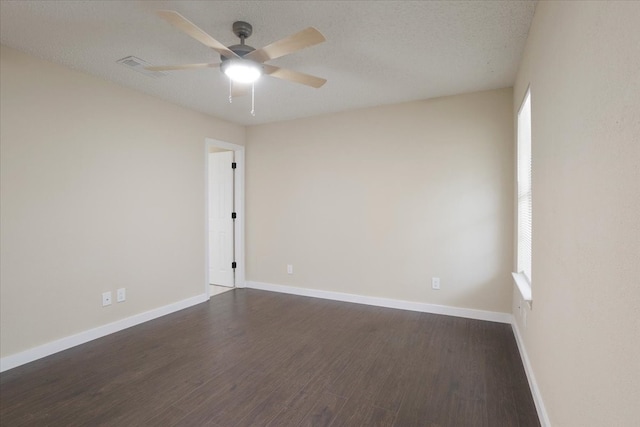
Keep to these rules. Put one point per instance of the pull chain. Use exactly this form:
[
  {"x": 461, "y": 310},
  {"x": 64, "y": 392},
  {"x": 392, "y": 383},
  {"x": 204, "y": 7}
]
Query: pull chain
[
  {"x": 253, "y": 102},
  {"x": 253, "y": 96}
]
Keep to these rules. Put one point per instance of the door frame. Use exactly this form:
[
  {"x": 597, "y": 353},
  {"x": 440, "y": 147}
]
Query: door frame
[{"x": 238, "y": 154}]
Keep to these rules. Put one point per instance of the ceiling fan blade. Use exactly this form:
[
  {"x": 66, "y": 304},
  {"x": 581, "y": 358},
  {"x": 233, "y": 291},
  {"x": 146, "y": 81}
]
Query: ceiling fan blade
[
  {"x": 287, "y": 45},
  {"x": 293, "y": 76},
  {"x": 188, "y": 27},
  {"x": 240, "y": 89},
  {"x": 180, "y": 67}
]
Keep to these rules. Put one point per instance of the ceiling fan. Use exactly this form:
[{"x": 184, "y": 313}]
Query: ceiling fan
[{"x": 242, "y": 63}]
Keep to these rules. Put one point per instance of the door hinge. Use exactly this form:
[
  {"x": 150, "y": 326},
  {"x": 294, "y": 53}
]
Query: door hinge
[
  {"x": 233, "y": 264},
  {"x": 233, "y": 165},
  {"x": 233, "y": 215}
]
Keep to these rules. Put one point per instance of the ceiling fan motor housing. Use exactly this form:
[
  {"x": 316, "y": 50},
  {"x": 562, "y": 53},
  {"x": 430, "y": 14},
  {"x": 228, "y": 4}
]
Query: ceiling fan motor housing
[{"x": 239, "y": 49}]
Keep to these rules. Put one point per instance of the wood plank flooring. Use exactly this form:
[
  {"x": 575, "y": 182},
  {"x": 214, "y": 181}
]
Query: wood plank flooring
[{"x": 254, "y": 358}]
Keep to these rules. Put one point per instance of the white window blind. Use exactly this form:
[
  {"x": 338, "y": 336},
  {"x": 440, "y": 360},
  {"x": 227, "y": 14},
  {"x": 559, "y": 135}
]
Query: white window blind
[{"x": 524, "y": 188}]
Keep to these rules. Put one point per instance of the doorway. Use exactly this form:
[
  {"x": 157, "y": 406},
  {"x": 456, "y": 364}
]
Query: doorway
[{"x": 224, "y": 166}]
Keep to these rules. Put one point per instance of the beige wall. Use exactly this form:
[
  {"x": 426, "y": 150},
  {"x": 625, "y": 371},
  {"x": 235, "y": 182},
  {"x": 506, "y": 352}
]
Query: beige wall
[
  {"x": 102, "y": 187},
  {"x": 377, "y": 201},
  {"x": 583, "y": 334}
]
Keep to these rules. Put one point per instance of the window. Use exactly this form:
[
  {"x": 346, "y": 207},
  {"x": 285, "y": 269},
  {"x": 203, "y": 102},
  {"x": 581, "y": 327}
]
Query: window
[{"x": 523, "y": 275}]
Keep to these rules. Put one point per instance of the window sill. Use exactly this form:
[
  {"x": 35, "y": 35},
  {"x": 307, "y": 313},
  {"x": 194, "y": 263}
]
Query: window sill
[{"x": 523, "y": 286}]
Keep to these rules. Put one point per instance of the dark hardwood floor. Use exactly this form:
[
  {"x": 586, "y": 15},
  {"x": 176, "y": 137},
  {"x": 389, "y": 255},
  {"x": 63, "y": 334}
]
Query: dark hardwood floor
[{"x": 254, "y": 358}]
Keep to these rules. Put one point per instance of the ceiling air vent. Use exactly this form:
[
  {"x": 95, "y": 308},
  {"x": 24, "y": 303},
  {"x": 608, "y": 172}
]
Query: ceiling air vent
[{"x": 138, "y": 65}]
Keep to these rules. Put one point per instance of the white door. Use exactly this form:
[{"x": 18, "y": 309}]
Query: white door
[{"x": 220, "y": 221}]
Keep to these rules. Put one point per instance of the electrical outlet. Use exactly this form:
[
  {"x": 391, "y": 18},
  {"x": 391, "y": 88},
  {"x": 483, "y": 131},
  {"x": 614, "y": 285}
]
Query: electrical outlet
[
  {"x": 289, "y": 269},
  {"x": 106, "y": 298},
  {"x": 435, "y": 283},
  {"x": 121, "y": 295}
]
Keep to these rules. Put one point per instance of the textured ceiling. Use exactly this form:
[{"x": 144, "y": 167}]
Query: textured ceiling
[{"x": 377, "y": 52}]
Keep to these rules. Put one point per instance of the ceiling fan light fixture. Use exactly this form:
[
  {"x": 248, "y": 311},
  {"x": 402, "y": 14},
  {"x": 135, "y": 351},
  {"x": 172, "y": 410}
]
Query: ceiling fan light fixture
[{"x": 242, "y": 70}]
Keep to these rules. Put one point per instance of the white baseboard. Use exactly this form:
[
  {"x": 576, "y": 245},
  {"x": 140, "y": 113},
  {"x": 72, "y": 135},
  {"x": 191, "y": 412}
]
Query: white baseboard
[
  {"x": 48, "y": 349},
  {"x": 56, "y": 346},
  {"x": 533, "y": 385},
  {"x": 469, "y": 313}
]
